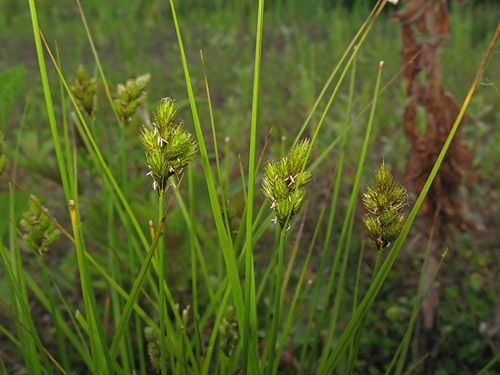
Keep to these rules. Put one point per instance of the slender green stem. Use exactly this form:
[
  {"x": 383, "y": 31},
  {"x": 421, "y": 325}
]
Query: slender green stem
[
  {"x": 354, "y": 45},
  {"x": 32, "y": 335},
  {"x": 54, "y": 313},
  {"x": 48, "y": 98},
  {"x": 401, "y": 352},
  {"x": 331, "y": 216},
  {"x": 351, "y": 207},
  {"x": 271, "y": 344},
  {"x": 339, "y": 294},
  {"x": 96, "y": 152},
  {"x": 416, "y": 307},
  {"x": 192, "y": 242},
  {"x": 77, "y": 340},
  {"x": 223, "y": 191},
  {"x": 98, "y": 348},
  {"x": 161, "y": 278},
  {"x": 298, "y": 289},
  {"x": 356, "y": 292},
  {"x": 116, "y": 274},
  {"x": 16, "y": 281},
  {"x": 250, "y": 354},
  {"x": 357, "y": 336},
  {"x": 489, "y": 365},
  {"x": 215, "y": 331},
  {"x": 98, "y": 63},
  {"x": 224, "y": 239}
]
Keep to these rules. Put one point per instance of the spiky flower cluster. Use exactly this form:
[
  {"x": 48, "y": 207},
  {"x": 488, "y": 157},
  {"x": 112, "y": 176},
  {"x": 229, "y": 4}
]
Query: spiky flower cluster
[
  {"x": 168, "y": 147},
  {"x": 38, "y": 231},
  {"x": 154, "y": 352},
  {"x": 228, "y": 331},
  {"x": 84, "y": 91},
  {"x": 3, "y": 158},
  {"x": 284, "y": 181},
  {"x": 130, "y": 95},
  {"x": 384, "y": 202}
]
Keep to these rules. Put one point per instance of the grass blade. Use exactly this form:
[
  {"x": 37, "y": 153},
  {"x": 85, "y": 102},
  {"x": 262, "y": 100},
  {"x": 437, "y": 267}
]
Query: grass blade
[
  {"x": 250, "y": 350},
  {"x": 225, "y": 241}
]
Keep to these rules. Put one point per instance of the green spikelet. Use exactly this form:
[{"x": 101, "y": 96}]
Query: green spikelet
[
  {"x": 228, "y": 331},
  {"x": 168, "y": 147},
  {"x": 84, "y": 91},
  {"x": 284, "y": 181},
  {"x": 3, "y": 158},
  {"x": 384, "y": 202},
  {"x": 38, "y": 231},
  {"x": 130, "y": 96},
  {"x": 154, "y": 353}
]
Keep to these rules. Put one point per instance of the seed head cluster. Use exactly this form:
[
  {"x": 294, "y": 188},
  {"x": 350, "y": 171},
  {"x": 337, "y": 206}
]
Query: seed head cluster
[
  {"x": 384, "y": 202},
  {"x": 284, "y": 181},
  {"x": 228, "y": 331},
  {"x": 84, "y": 91},
  {"x": 154, "y": 351},
  {"x": 129, "y": 96},
  {"x": 168, "y": 147},
  {"x": 38, "y": 231}
]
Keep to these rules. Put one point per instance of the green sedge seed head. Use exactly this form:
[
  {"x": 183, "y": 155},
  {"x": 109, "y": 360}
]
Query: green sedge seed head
[
  {"x": 228, "y": 331},
  {"x": 38, "y": 230},
  {"x": 384, "y": 202},
  {"x": 154, "y": 349},
  {"x": 129, "y": 96},
  {"x": 166, "y": 114},
  {"x": 284, "y": 180},
  {"x": 84, "y": 91},
  {"x": 168, "y": 147}
]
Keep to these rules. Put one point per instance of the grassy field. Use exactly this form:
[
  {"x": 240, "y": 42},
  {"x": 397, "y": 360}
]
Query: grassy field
[{"x": 98, "y": 300}]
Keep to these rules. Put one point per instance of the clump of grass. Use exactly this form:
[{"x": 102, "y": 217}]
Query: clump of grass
[
  {"x": 130, "y": 96},
  {"x": 384, "y": 202},
  {"x": 38, "y": 230},
  {"x": 178, "y": 344},
  {"x": 168, "y": 147}
]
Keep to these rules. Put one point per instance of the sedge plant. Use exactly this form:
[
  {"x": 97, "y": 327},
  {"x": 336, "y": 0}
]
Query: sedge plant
[
  {"x": 169, "y": 149},
  {"x": 383, "y": 222},
  {"x": 283, "y": 185},
  {"x": 149, "y": 326}
]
